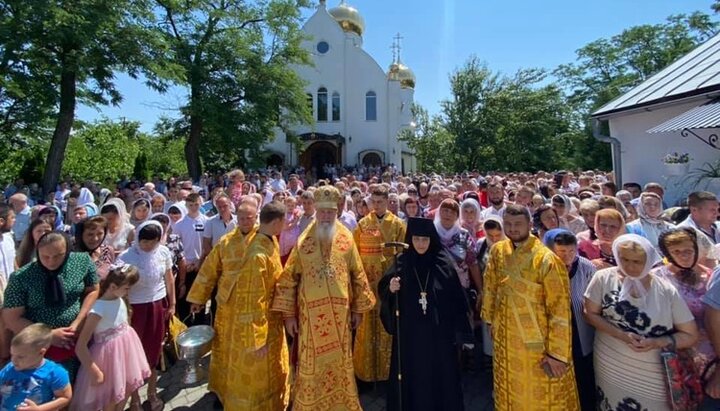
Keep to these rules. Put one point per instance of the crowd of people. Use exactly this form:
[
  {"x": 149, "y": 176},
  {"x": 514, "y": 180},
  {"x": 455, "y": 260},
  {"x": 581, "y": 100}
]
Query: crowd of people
[{"x": 582, "y": 295}]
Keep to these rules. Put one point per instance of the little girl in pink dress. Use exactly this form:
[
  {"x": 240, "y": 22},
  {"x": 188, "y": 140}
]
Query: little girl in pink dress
[{"x": 114, "y": 366}]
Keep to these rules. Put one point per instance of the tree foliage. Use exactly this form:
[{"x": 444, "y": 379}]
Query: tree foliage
[
  {"x": 430, "y": 141},
  {"x": 235, "y": 58},
  {"x": 505, "y": 123},
  {"x": 56, "y": 53}
]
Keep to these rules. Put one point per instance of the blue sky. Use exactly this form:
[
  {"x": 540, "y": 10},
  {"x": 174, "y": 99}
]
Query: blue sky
[{"x": 440, "y": 35}]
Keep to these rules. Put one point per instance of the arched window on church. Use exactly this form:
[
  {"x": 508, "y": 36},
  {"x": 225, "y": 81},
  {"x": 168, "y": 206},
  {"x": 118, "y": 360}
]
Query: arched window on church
[
  {"x": 336, "y": 106},
  {"x": 322, "y": 104},
  {"x": 370, "y": 106}
]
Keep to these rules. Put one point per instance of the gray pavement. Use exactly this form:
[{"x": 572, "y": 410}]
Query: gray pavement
[{"x": 476, "y": 387}]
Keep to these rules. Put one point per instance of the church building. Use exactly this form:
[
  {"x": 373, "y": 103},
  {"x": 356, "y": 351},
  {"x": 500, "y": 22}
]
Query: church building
[{"x": 359, "y": 109}]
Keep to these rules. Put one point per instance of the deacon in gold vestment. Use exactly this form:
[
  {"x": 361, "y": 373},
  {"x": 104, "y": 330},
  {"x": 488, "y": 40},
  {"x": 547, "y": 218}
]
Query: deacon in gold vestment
[
  {"x": 322, "y": 292},
  {"x": 526, "y": 301},
  {"x": 249, "y": 365},
  {"x": 373, "y": 345}
]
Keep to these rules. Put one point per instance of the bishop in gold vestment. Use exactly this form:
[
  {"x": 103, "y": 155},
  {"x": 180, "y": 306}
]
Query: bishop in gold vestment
[
  {"x": 323, "y": 289},
  {"x": 373, "y": 345},
  {"x": 245, "y": 268},
  {"x": 526, "y": 299}
]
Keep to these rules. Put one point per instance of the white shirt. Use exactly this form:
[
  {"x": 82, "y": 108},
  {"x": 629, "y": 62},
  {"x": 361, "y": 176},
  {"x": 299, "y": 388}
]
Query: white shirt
[
  {"x": 348, "y": 220},
  {"x": 7, "y": 255},
  {"x": 215, "y": 228},
  {"x": 492, "y": 211},
  {"x": 191, "y": 232},
  {"x": 112, "y": 313},
  {"x": 151, "y": 286},
  {"x": 278, "y": 185}
]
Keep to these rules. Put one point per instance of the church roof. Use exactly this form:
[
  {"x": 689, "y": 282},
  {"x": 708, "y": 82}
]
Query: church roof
[{"x": 694, "y": 74}]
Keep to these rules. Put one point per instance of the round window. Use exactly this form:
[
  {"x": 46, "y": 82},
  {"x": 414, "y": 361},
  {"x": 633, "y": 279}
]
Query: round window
[{"x": 323, "y": 47}]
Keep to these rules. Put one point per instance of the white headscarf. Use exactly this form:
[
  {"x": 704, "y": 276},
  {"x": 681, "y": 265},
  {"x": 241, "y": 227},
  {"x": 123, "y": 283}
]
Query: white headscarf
[
  {"x": 641, "y": 209},
  {"x": 183, "y": 212},
  {"x": 497, "y": 220},
  {"x": 470, "y": 202},
  {"x": 121, "y": 209},
  {"x": 86, "y": 197},
  {"x": 635, "y": 283},
  {"x": 446, "y": 234}
]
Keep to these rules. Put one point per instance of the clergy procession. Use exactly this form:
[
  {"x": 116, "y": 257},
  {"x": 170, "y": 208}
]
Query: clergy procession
[
  {"x": 246, "y": 206},
  {"x": 568, "y": 292}
]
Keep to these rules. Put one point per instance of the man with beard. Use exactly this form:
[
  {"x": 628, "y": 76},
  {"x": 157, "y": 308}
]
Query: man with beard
[
  {"x": 496, "y": 198},
  {"x": 527, "y": 307},
  {"x": 7, "y": 244},
  {"x": 373, "y": 345},
  {"x": 322, "y": 294}
]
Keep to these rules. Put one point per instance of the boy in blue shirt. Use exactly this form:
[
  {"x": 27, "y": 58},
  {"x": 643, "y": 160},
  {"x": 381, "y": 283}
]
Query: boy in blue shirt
[{"x": 30, "y": 382}]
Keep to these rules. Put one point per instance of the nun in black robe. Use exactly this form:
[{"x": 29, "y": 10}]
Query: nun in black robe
[{"x": 429, "y": 339}]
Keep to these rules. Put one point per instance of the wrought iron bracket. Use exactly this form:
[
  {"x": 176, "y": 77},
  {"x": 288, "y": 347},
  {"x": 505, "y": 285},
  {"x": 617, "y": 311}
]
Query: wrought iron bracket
[{"x": 711, "y": 140}]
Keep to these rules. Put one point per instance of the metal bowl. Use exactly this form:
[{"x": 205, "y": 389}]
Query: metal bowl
[{"x": 195, "y": 342}]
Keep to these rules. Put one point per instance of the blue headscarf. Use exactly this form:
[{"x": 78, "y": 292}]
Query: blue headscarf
[
  {"x": 549, "y": 239},
  {"x": 58, "y": 223}
]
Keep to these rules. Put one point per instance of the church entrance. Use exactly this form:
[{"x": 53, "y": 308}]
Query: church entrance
[
  {"x": 274, "y": 160},
  {"x": 317, "y": 155}
]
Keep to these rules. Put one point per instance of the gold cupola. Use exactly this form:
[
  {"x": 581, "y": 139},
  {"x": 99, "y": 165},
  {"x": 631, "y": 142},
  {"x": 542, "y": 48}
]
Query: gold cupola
[
  {"x": 348, "y": 18},
  {"x": 398, "y": 71}
]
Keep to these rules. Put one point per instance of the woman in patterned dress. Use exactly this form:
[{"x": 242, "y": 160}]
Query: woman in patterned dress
[
  {"x": 635, "y": 314},
  {"x": 58, "y": 290}
]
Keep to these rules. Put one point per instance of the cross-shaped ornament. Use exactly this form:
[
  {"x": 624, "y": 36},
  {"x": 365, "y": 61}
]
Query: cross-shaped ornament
[{"x": 423, "y": 301}]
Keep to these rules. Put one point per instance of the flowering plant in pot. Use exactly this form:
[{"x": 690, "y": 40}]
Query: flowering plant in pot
[{"x": 676, "y": 158}]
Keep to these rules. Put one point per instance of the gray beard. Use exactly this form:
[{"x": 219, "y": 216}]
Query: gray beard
[{"x": 325, "y": 232}]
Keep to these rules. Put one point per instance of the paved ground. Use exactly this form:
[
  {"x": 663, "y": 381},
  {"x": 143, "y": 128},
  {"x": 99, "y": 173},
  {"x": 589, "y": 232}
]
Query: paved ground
[{"x": 476, "y": 386}]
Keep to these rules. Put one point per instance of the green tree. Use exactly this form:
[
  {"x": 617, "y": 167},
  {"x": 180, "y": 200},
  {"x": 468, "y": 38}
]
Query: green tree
[
  {"x": 102, "y": 151},
  {"x": 508, "y": 123},
  {"x": 430, "y": 141},
  {"x": 607, "y": 68},
  {"x": 56, "y": 53},
  {"x": 141, "y": 171},
  {"x": 235, "y": 58}
]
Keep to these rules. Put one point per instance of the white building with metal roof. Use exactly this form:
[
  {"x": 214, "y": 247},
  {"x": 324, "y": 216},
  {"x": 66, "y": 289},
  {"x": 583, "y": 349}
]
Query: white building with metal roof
[{"x": 673, "y": 111}]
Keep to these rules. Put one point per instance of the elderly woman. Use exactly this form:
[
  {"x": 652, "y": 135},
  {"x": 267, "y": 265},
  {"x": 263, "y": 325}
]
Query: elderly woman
[
  {"x": 649, "y": 224},
  {"x": 609, "y": 225},
  {"x": 459, "y": 243},
  {"x": 635, "y": 314},
  {"x": 564, "y": 244},
  {"x": 680, "y": 248},
  {"x": 545, "y": 219},
  {"x": 58, "y": 290},
  {"x": 89, "y": 238},
  {"x": 120, "y": 231},
  {"x": 470, "y": 217}
]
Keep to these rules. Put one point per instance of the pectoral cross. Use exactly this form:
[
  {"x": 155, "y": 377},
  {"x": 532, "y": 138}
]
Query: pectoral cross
[{"x": 423, "y": 302}]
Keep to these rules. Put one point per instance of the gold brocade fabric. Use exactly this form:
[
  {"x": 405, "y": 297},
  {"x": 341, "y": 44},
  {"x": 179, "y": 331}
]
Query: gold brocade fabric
[
  {"x": 527, "y": 301},
  {"x": 245, "y": 268},
  {"x": 323, "y": 303},
  {"x": 373, "y": 346}
]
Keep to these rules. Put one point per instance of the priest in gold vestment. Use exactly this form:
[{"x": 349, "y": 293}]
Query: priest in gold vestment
[
  {"x": 373, "y": 345},
  {"x": 322, "y": 294},
  {"x": 249, "y": 364},
  {"x": 526, "y": 301}
]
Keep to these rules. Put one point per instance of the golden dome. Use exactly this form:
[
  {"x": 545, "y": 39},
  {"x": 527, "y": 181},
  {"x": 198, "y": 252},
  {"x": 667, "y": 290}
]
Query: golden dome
[
  {"x": 403, "y": 74},
  {"x": 349, "y": 18}
]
